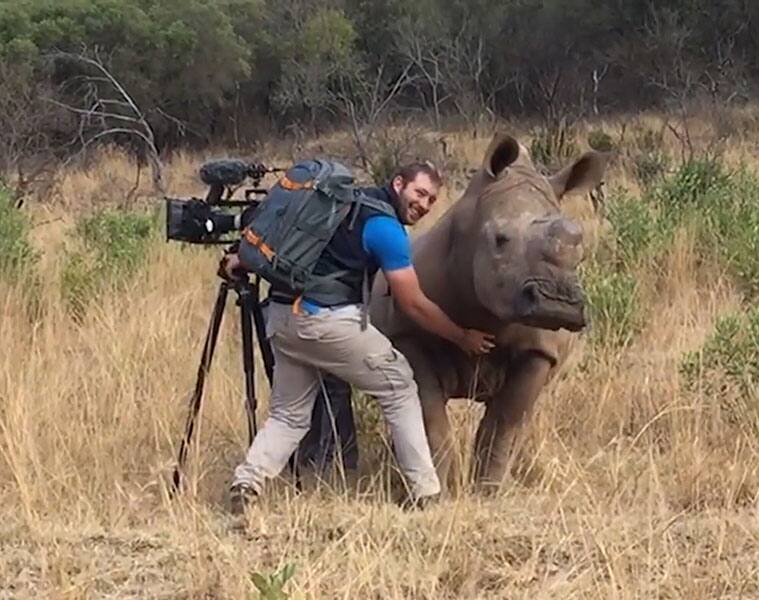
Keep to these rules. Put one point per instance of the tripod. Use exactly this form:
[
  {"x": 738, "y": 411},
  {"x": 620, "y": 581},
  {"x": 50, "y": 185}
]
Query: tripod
[{"x": 248, "y": 301}]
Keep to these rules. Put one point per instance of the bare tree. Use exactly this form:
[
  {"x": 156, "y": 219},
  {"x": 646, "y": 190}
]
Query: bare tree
[
  {"x": 27, "y": 157},
  {"x": 106, "y": 109},
  {"x": 598, "y": 75},
  {"x": 469, "y": 76},
  {"x": 367, "y": 100},
  {"x": 305, "y": 85},
  {"x": 425, "y": 51}
]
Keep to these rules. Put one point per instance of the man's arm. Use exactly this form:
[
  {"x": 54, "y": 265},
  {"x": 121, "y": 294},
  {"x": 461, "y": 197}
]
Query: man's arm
[
  {"x": 385, "y": 238},
  {"x": 408, "y": 294}
]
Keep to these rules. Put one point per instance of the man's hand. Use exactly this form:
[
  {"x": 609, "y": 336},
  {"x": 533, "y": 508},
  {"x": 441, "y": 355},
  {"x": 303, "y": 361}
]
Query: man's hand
[
  {"x": 477, "y": 342},
  {"x": 404, "y": 286},
  {"x": 229, "y": 263}
]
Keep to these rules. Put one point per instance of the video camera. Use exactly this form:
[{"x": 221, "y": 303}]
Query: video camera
[{"x": 200, "y": 221}]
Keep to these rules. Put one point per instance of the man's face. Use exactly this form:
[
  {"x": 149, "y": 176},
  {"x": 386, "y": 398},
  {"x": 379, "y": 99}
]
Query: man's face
[{"x": 415, "y": 197}]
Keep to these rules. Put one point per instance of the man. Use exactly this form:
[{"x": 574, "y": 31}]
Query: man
[
  {"x": 333, "y": 429},
  {"x": 308, "y": 339}
]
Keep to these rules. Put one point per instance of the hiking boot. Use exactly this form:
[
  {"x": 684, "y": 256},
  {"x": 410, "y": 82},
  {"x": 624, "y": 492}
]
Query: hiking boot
[
  {"x": 241, "y": 497},
  {"x": 420, "y": 503}
]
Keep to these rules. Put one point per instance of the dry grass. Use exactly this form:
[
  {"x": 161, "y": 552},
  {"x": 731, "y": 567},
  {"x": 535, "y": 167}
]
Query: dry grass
[{"x": 627, "y": 487}]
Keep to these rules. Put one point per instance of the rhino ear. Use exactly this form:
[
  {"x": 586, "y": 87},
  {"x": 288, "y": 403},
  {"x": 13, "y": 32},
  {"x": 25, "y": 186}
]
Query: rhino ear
[
  {"x": 584, "y": 174},
  {"x": 502, "y": 151}
]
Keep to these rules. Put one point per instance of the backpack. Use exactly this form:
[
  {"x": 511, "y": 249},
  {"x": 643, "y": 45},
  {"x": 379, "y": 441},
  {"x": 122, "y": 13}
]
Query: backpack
[{"x": 287, "y": 232}]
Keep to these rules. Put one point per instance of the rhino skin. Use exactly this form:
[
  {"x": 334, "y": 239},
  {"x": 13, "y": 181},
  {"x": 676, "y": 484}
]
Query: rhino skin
[{"x": 503, "y": 259}]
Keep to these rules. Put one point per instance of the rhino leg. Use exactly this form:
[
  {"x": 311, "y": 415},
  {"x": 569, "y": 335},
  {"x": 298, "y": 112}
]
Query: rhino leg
[
  {"x": 436, "y": 423},
  {"x": 504, "y": 411}
]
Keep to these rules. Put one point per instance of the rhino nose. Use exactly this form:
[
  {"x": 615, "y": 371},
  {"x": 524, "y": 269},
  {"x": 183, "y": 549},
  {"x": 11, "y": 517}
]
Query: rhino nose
[{"x": 564, "y": 243}]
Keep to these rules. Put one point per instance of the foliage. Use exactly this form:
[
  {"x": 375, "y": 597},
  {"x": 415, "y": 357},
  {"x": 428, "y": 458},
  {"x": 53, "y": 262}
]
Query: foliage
[
  {"x": 553, "y": 145},
  {"x": 728, "y": 362},
  {"x": 228, "y": 68},
  {"x": 721, "y": 204},
  {"x": 634, "y": 229},
  {"x": 613, "y": 302},
  {"x": 717, "y": 205},
  {"x": 599, "y": 140},
  {"x": 271, "y": 587},
  {"x": 111, "y": 246},
  {"x": 698, "y": 183},
  {"x": 316, "y": 58},
  {"x": 650, "y": 161},
  {"x": 16, "y": 253},
  {"x": 732, "y": 349},
  {"x": 180, "y": 56}
]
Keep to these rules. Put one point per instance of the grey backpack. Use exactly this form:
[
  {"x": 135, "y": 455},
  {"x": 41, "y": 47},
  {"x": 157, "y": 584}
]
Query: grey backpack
[{"x": 288, "y": 231}]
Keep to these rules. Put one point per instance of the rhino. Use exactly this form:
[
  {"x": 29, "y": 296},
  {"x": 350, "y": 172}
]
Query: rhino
[{"x": 503, "y": 259}]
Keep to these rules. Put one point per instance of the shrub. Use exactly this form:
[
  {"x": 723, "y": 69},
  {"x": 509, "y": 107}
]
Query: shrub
[
  {"x": 16, "y": 252},
  {"x": 119, "y": 239},
  {"x": 599, "y": 140},
  {"x": 650, "y": 167},
  {"x": 727, "y": 366},
  {"x": 732, "y": 229},
  {"x": 650, "y": 161},
  {"x": 553, "y": 146},
  {"x": 698, "y": 183},
  {"x": 272, "y": 586},
  {"x": 722, "y": 206},
  {"x": 634, "y": 229},
  {"x": 397, "y": 145},
  {"x": 110, "y": 246},
  {"x": 738, "y": 244},
  {"x": 613, "y": 304}
]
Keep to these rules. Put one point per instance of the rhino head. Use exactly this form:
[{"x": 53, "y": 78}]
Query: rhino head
[{"x": 524, "y": 253}]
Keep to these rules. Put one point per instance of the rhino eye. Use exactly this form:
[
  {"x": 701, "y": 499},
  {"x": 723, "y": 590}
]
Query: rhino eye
[{"x": 501, "y": 239}]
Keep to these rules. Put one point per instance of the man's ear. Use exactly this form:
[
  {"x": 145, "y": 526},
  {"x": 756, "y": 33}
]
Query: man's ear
[
  {"x": 584, "y": 174},
  {"x": 397, "y": 184}
]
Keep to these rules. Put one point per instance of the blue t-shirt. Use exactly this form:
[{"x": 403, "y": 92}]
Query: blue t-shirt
[{"x": 386, "y": 241}]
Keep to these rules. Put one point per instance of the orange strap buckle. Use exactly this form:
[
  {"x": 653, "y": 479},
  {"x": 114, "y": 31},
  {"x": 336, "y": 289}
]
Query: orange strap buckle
[
  {"x": 256, "y": 241},
  {"x": 291, "y": 185},
  {"x": 296, "y": 305}
]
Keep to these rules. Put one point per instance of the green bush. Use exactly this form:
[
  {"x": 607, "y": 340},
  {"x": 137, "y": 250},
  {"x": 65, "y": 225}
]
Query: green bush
[
  {"x": 110, "y": 247},
  {"x": 731, "y": 228},
  {"x": 729, "y": 362},
  {"x": 599, "y": 140},
  {"x": 650, "y": 161},
  {"x": 650, "y": 167},
  {"x": 272, "y": 586},
  {"x": 16, "y": 252},
  {"x": 119, "y": 239},
  {"x": 738, "y": 244},
  {"x": 613, "y": 303},
  {"x": 635, "y": 228},
  {"x": 698, "y": 183},
  {"x": 722, "y": 206}
]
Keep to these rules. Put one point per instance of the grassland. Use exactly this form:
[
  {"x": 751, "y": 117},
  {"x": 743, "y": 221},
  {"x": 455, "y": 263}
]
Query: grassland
[{"x": 638, "y": 475}]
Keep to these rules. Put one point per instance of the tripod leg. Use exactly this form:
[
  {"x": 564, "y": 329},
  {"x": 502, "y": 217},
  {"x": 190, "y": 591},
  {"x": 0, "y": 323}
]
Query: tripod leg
[
  {"x": 205, "y": 364},
  {"x": 246, "y": 304},
  {"x": 263, "y": 341}
]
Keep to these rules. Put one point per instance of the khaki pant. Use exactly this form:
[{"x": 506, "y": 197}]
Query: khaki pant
[{"x": 332, "y": 341}]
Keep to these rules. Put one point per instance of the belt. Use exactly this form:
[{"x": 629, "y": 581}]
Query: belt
[{"x": 276, "y": 298}]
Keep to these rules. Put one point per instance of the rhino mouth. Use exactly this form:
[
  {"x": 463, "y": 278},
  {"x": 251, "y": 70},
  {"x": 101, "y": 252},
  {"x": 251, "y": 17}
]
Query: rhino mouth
[{"x": 551, "y": 304}]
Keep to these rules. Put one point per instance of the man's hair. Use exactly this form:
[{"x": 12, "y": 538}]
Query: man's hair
[{"x": 410, "y": 171}]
